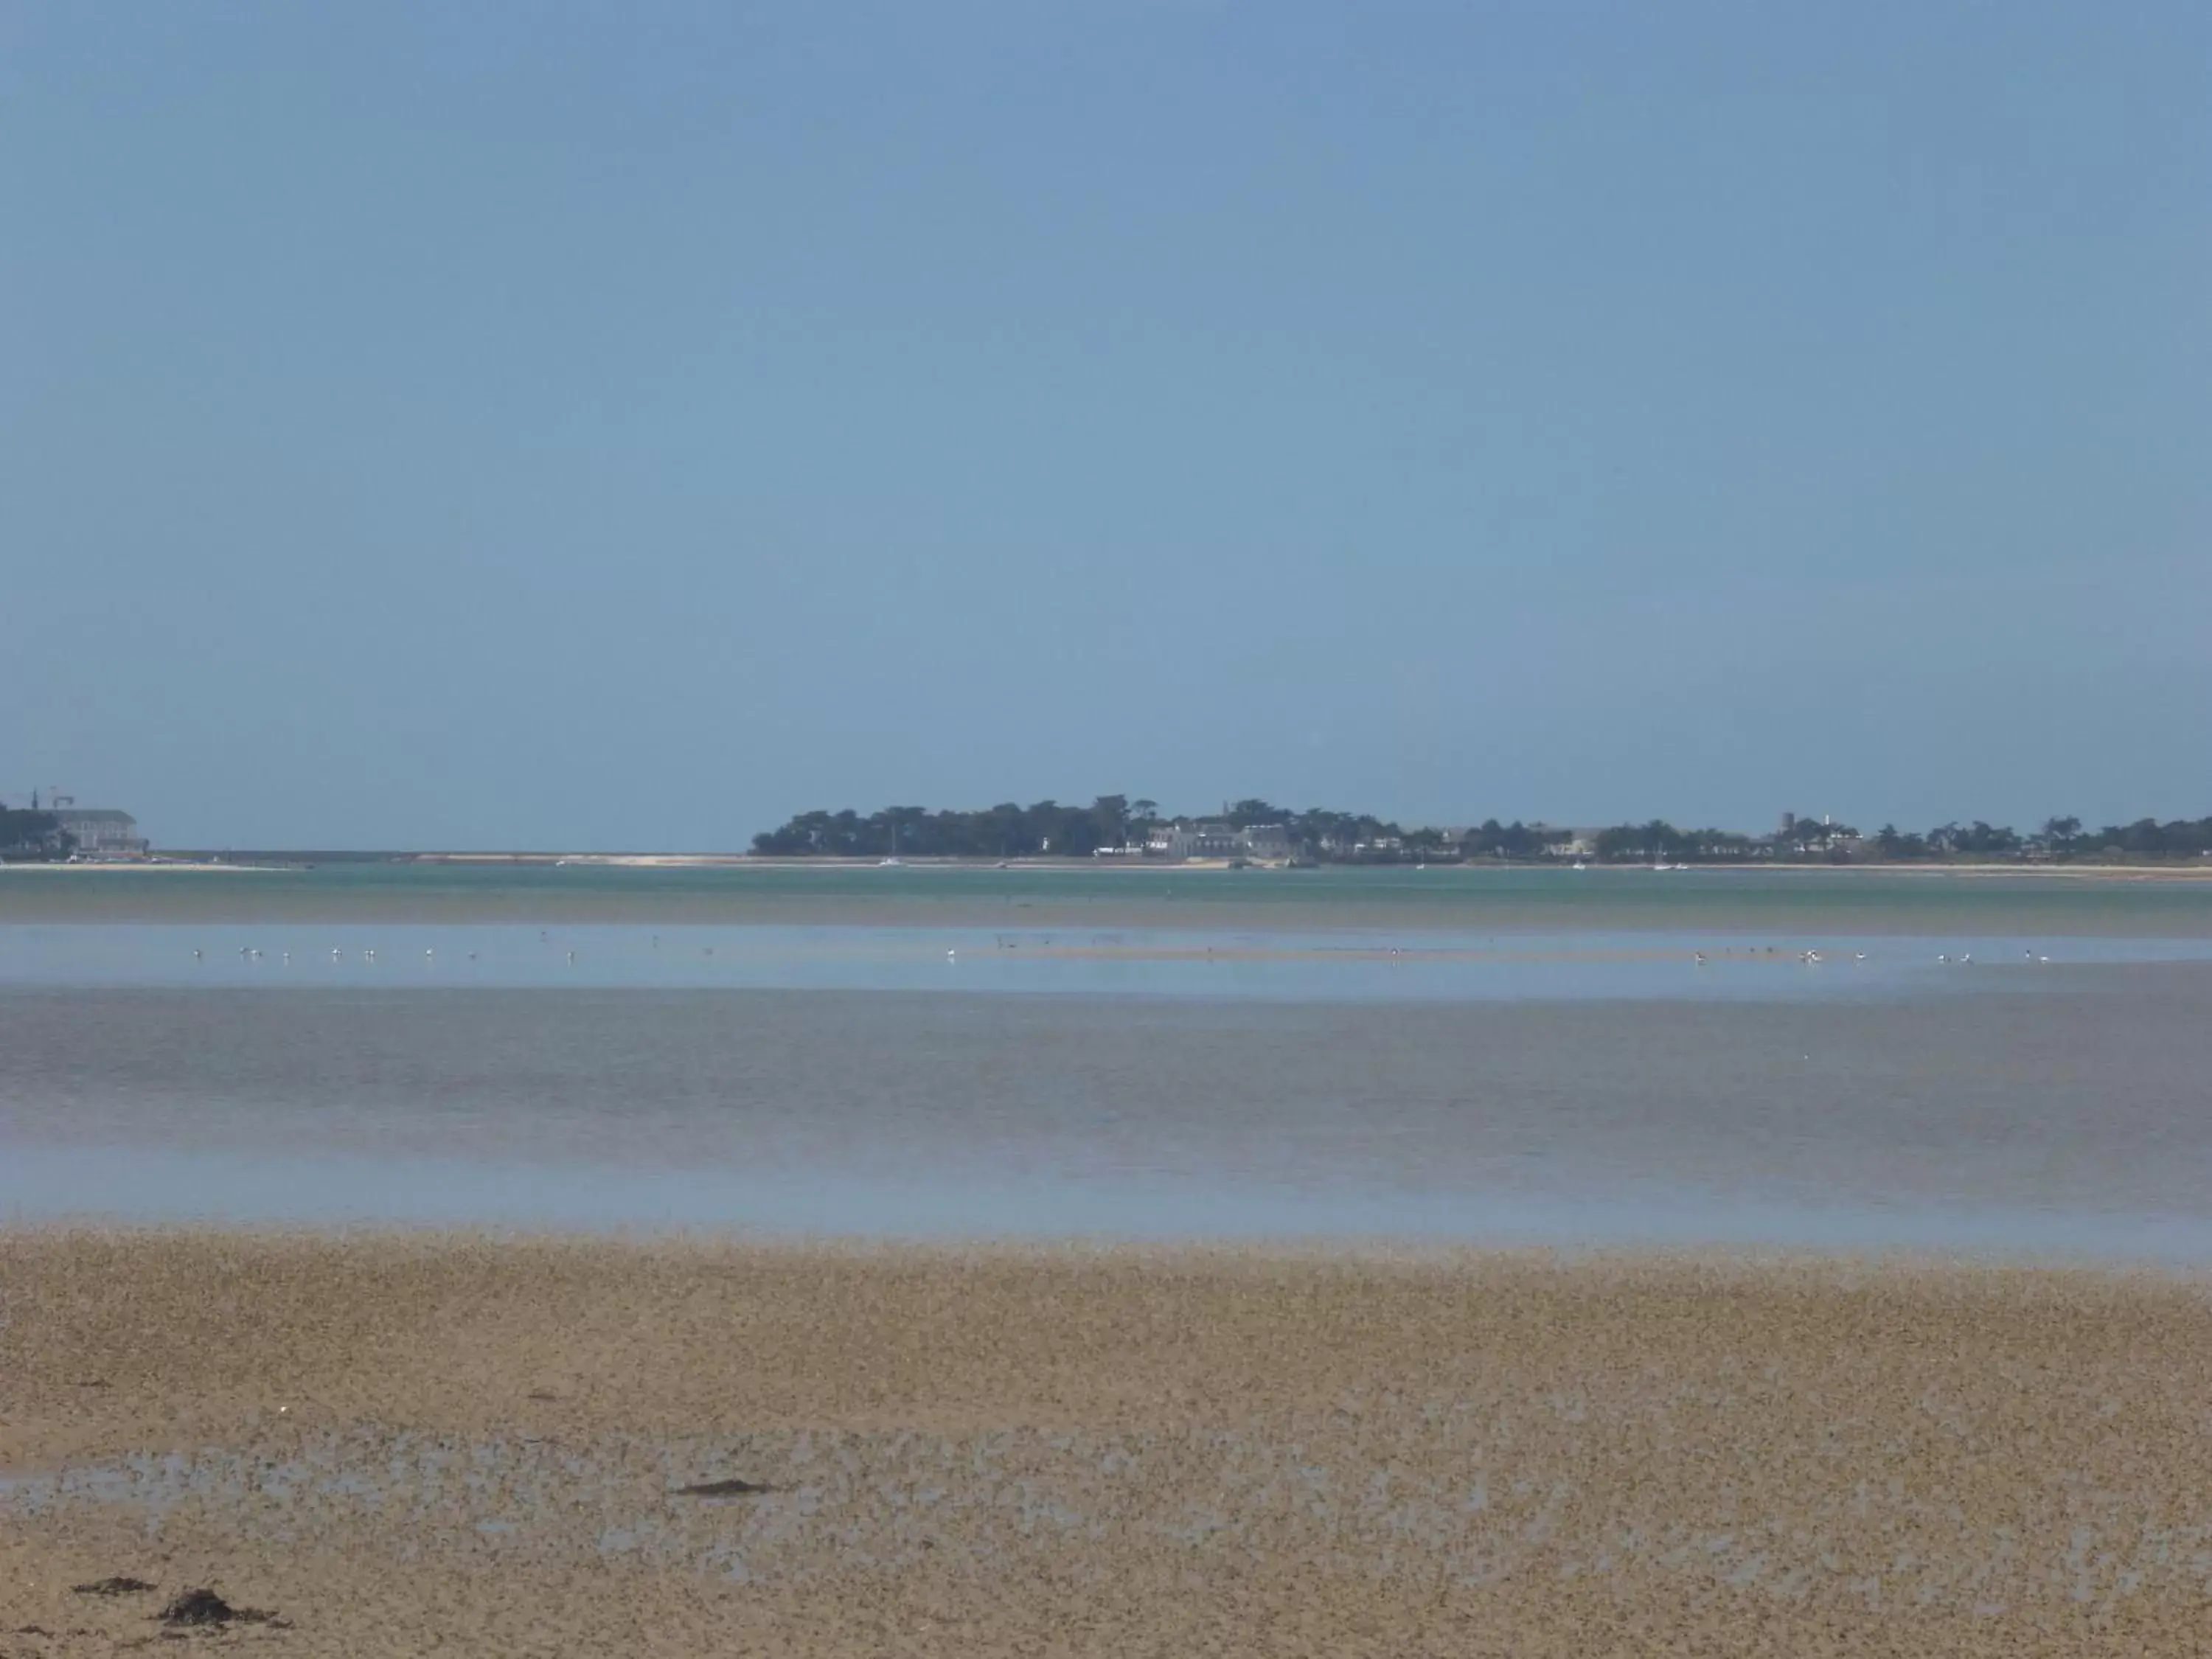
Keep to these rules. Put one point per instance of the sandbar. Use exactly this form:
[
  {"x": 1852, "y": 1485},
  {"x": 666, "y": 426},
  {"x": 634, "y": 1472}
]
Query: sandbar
[{"x": 393, "y": 1443}]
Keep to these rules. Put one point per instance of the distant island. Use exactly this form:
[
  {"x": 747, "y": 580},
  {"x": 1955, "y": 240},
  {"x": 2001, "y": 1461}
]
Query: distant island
[
  {"x": 1258, "y": 832},
  {"x": 1119, "y": 829}
]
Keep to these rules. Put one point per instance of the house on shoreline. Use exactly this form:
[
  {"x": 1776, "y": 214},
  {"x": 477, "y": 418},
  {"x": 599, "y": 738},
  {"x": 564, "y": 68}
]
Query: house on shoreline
[
  {"x": 1260, "y": 843},
  {"x": 100, "y": 832}
]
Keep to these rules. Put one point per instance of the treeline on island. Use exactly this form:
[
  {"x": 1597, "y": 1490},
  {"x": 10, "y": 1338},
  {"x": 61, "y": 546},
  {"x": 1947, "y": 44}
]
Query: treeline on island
[
  {"x": 33, "y": 838},
  {"x": 1126, "y": 825}
]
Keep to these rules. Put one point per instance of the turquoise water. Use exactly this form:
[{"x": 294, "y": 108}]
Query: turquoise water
[
  {"x": 1778, "y": 902},
  {"x": 1343, "y": 965}
]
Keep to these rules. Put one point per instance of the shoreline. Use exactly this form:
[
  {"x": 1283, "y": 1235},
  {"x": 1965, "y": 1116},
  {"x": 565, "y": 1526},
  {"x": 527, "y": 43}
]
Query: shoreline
[
  {"x": 281, "y": 862},
  {"x": 185, "y": 867},
  {"x": 509, "y": 1444}
]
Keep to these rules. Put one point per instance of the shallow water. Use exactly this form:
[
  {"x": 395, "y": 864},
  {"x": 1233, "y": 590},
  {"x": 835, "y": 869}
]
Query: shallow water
[
  {"x": 1982, "y": 1064},
  {"x": 2056, "y": 1110},
  {"x": 1712, "y": 902},
  {"x": 1275, "y": 964}
]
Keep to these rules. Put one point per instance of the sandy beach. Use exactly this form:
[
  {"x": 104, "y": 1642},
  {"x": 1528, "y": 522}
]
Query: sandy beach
[{"x": 395, "y": 1442}]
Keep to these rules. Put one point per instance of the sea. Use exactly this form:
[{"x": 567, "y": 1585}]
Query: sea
[{"x": 1933, "y": 1063}]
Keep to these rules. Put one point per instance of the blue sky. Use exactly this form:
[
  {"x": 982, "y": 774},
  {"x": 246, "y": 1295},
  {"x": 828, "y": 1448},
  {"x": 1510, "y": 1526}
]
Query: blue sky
[{"x": 548, "y": 426}]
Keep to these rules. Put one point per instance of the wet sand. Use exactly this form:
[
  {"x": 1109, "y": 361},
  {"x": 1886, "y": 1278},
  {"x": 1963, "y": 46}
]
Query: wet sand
[{"x": 397, "y": 1442}]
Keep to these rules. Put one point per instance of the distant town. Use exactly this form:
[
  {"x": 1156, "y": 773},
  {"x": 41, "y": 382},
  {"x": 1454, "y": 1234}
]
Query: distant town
[
  {"x": 1120, "y": 829},
  {"x": 1259, "y": 833}
]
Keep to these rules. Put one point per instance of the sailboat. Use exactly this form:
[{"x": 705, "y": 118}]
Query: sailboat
[{"x": 894, "y": 861}]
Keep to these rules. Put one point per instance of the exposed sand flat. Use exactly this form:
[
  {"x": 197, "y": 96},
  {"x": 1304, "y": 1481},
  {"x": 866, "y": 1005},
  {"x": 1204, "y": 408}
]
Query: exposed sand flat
[{"x": 395, "y": 1442}]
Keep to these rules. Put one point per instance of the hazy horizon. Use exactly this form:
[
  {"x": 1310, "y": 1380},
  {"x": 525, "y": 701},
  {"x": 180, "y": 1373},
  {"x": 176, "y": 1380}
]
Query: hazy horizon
[{"x": 433, "y": 428}]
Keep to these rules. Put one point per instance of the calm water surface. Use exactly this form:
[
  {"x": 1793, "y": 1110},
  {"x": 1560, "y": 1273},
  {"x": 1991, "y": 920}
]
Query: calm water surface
[
  {"x": 1712, "y": 902},
  {"x": 1324, "y": 1067}
]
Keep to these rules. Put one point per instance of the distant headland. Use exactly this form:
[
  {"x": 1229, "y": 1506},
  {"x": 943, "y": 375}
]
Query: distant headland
[{"x": 1259, "y": 832}]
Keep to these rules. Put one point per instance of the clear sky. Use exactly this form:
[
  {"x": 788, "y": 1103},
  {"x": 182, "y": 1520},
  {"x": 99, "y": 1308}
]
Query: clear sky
[{"x": 539, "y": 425}]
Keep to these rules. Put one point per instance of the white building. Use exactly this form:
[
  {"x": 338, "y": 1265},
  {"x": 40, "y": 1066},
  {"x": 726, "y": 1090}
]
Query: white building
[
  {"x": 101, "y": 832},
  {"x": 1268, "y": 841}
]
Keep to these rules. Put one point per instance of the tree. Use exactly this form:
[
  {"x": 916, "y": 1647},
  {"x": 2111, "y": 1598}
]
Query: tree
[
  {"x": 1110, "y": 816},
  {"x": 27, "y": 837},
  {"x": 1246, "y": 814},
  {"x": 1619, "y": 842}
]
